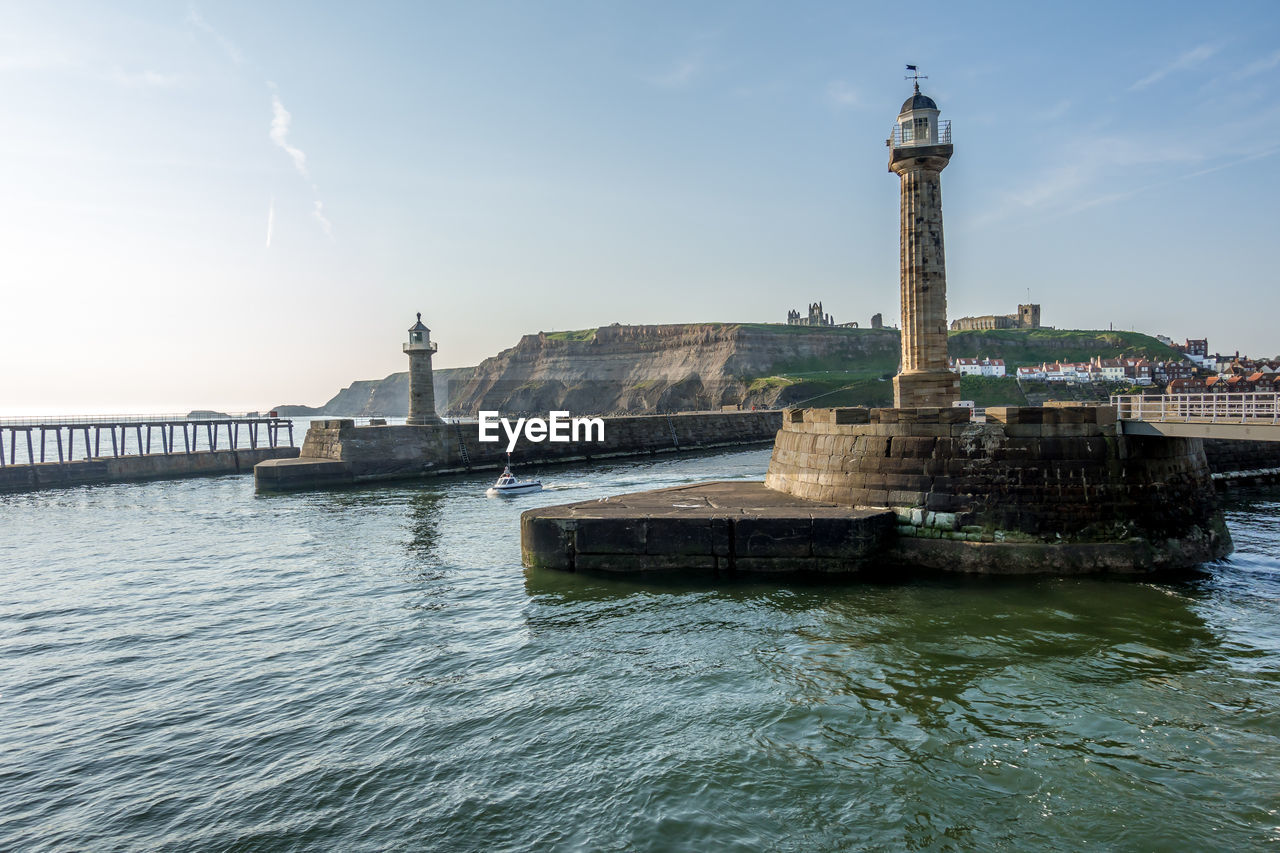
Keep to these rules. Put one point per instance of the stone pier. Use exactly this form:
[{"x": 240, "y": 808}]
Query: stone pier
[
  {"x": 1032, "y": 491},
  {"x": 1058, "y": 489},
  {"x": 723, "y": 529},
  {"x": 338, "y": 453},
  {"x": 1055, "y": 490},
  {"x": 149, "y": 466}
]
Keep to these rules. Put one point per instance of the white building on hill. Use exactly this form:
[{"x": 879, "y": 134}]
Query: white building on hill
[{"x": 978, "y": 366}]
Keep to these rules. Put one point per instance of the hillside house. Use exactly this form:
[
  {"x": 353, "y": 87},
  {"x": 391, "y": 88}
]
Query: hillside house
[{"x": 978, "y": 366}]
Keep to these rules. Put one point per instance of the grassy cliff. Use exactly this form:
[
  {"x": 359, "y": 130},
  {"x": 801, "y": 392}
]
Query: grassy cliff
[
  {"x": 708, "y": 365},
  {"x": 840, "y": 382},
  {"x": 1022, "y": 347}
]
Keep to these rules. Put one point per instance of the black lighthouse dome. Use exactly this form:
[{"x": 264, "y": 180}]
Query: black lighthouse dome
[{"x": 917, "y": 102}]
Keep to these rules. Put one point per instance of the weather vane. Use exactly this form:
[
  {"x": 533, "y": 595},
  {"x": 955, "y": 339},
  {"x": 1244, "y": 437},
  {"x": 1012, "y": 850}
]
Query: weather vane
[{"x": 916, "y": 76}]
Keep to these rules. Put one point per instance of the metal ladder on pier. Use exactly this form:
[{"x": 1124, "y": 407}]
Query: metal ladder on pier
[
  {"x": 671, "y": 425},
  {"x": 462, "y": 445}
]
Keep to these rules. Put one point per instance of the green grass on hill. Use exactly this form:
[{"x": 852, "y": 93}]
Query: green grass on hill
[
  {"x": 860, "y": 381},
  {"x": 785, "y": 329},
  {"x": 825, "y": 393},
  {"x": 1022, "y": 347},
  {"x": 991, "y": 391},
  {"x": 573, "y": 335},
  {"x": 866, "y": 367},
  {"x": 857, "y": 382},
  {"x": 761, "y": 384}
]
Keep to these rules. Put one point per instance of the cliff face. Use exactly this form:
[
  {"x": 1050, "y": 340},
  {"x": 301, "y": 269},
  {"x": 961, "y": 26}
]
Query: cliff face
[
  {"x": 662, "y": 368},
  {"x": 388, "y": 397},
  {"x": 699, "y": 366}
]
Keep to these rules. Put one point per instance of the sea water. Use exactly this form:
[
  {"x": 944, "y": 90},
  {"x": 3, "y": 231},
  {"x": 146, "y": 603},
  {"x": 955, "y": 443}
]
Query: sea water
[{"x": 186, "y": 665}]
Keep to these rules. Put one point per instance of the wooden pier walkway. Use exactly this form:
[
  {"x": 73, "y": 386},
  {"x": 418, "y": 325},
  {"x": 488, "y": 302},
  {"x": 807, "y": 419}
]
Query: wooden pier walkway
[{"x": 30, "y": 441}]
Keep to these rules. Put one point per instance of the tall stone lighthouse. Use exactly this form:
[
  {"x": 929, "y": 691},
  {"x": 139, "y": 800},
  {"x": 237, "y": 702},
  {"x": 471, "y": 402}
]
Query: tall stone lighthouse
[
  {"x": 919, "y": 149},
  {"x": 422, "y": 394}
]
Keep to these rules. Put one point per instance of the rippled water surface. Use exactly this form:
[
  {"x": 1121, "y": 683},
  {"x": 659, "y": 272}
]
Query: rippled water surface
[{"x": 187, "y": 666}]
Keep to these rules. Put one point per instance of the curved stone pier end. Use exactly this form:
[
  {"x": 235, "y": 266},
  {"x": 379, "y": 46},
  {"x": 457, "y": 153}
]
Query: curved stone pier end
[
  {"x": 1046, "y": 490},
  {"x": 719, "y": 529},
  {"x": 278, "y": 475}
]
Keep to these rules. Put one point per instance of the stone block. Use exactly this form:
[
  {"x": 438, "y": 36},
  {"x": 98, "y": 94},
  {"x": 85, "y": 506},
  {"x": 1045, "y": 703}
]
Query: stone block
[
  {"x": 1057, "y": 449},
  {"x": 850, "y": 538},
  {"x": 872, "y": 445},
  {"x": 944, "y": 502},
  {"x": 1070, "y": 430},
  {"x": 1056, "y": 412},
  {"x": 941, "y": 520},
  {"x": 632, "y": 564},
  {"x": 907, "y": 482},
  {"x": 931, "y": 430},
  {"x": 852, "y": 415},
  {"x": 772, "y": 536},
  {"x": 871, "y": 497},
  {"x": 900, "y": 497},
  {"x": 914, "y": 446},
  {"x": 1025, "y": 415},
  {"x": 683, "y": 535},
  {"x": 609, "y": 536},
  {"x": 782, "y": 565},
  {"x": 1017, "y": 448},
  {"x": 547, "y": 542}
]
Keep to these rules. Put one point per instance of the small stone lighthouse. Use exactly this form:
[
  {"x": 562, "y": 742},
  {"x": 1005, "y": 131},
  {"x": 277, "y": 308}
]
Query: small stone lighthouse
[
  {"x": 919, "y": 149},
  {"x": 422, "y": 394}
]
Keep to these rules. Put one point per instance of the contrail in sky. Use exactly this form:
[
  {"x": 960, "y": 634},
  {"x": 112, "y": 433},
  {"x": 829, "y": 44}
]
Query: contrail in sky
[
  {"x": 280, "y": 122},
  {"x": 324, "y": 220},
  {"x": 280, "y": 119}
]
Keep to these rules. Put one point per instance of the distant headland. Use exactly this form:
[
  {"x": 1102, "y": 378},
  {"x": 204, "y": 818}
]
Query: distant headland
[{"x": 620, "y": 369}]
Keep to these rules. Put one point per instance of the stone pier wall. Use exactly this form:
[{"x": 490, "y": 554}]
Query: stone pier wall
[
  {"x": 151, "y": 466},
  {"x": 399, "y": 452},
  {"x": 1227, "y": 456},
  {"x": 1029, "y": 475}
]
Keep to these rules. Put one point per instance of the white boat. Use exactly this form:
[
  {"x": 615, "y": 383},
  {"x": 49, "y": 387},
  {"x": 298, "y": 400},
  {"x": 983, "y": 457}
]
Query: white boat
[{"x": 507, "y": 484}]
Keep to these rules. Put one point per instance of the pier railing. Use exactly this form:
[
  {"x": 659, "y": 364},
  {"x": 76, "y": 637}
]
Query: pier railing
[
  {"x": 1259, "y": 408},
  {"x": 54, "y": 439}
]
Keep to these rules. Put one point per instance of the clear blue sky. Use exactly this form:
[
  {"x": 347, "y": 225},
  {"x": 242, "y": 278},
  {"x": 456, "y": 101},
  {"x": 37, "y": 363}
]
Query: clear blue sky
[{"x": 233, "y": 205}]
